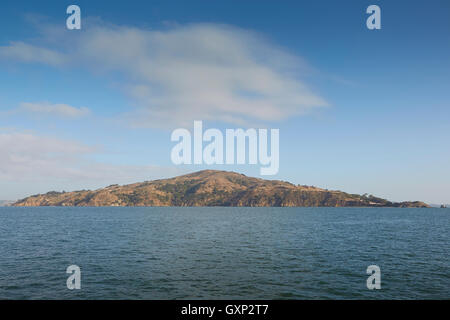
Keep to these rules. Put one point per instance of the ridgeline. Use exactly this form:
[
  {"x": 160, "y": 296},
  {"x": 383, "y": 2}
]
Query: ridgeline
[{"x": 211, "y": 188}]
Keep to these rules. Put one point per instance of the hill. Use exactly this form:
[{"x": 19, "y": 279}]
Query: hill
[{"x": 211, "y": 188}]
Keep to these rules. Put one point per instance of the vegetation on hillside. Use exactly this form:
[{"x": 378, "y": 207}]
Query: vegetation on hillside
[{"x": 211, "y": 188}]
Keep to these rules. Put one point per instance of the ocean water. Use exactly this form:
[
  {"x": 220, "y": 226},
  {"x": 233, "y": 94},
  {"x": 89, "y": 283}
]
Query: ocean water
[{"x": 224, "y": 253}]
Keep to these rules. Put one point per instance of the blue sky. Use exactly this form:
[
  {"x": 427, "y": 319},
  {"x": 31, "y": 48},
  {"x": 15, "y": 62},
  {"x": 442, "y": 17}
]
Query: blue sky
[{"x": 364, "y": 111}]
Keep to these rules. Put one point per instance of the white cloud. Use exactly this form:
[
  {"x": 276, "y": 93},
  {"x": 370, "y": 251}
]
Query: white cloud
[
  {"x": 174, "y": 76},
  {"x": 63, "y": 110},
  {"x": 27, "y": 158},
  {"x": 29, "y": 53}
]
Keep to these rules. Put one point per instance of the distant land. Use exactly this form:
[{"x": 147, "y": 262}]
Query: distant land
[
  {"x": 435, "y": 205},
  {"x": 211, "y": 188},
  {"x": 5, "y": 203}
]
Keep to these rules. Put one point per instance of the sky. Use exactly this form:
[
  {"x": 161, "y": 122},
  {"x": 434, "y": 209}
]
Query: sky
[{"x": 358, "y": 110}]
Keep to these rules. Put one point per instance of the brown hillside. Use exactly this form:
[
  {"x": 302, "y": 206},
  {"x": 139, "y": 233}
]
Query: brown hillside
[{"x": 210, "y": 188}]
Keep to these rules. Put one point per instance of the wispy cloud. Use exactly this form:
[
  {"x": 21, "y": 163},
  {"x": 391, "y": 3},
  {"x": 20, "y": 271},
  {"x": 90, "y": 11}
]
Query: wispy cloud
[
  {"x": 173, "y": 76},
  {"x": 60, "y": 109},
  {"x": 29, "y": 53},
  {"x": 27, "y": 157}
]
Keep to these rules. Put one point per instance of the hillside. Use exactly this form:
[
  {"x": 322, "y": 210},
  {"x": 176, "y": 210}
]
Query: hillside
[{"x": 211, "y": 188}]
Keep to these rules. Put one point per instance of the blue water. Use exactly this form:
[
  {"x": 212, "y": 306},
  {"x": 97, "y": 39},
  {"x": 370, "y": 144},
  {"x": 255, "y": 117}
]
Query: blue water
[{"x": 224, "y": 253}]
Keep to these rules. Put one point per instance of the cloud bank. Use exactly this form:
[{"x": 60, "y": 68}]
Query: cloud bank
[
  {"x": 174, "y": 76},
  {"x": 26, "y": 158}
]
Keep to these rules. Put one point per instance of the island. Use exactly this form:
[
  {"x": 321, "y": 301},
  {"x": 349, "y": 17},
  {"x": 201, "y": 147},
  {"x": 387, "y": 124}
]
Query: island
[{"x": 211, "y": 188}]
